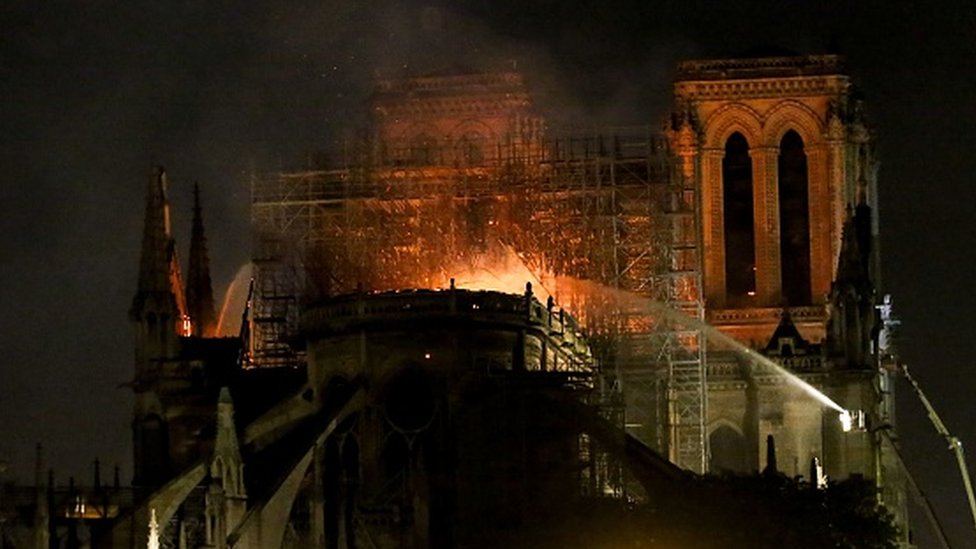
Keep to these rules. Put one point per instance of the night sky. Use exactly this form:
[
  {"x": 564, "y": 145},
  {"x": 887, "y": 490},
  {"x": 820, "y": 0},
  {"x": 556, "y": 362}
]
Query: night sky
[{"x": 92, "y": 94}]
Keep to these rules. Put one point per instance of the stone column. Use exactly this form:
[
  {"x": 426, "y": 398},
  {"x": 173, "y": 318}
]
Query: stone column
[
  {"x": 713, "y": 235},
  {"x": 823, "y": 254},
  {"x": 834, "y": 174},
  {"x": 765, "y": 199}
]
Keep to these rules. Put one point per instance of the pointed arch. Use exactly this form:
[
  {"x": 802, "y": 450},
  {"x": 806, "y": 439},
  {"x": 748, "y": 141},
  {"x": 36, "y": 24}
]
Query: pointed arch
[
  {"x": 472, "y": 140},
  {"x": 217, "y": 467},
  {"x": 729, "y": 119},
  {"x": 791, "y": 115},
  {"x": 471, "y": 125},
  {"x": 418, "y": 145}
]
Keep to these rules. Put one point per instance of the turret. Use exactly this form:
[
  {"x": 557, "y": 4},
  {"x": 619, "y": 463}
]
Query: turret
[{"x": 199, "y": 291}]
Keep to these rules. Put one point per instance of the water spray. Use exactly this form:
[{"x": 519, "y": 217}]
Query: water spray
[
  {"x": 714, "y": 334},
  {"x": 499, "y": 273},
  {"x": 850, "y": 420},
  {"x": 234, "y": 300}
]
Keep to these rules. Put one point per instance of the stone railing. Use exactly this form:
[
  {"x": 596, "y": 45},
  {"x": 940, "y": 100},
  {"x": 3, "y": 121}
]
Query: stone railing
[
  {"x": 525, "y": 311},
  {"x": 765, "y": 315}
]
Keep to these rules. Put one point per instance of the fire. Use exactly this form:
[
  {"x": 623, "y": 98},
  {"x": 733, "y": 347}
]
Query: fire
[{"x": 500, "y": 269}]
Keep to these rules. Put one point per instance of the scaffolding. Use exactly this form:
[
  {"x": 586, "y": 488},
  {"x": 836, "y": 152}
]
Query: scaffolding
[
  {"x": 684, "y": 347},
  {"x": 604, "y": 209}
]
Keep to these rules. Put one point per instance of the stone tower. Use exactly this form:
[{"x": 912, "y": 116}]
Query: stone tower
[
  {"x": 784, "y": 168},
  {"x": 158, "y": 313},
  {"x": 781, "y": 156},
  {"x": 178, "y": 366}
]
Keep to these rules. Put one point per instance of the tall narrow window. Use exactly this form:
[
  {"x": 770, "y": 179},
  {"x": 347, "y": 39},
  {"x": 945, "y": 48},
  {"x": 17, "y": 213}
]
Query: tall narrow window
[
  {"x": 794, "y": 221},
  {"x": 740, "y": 237}
]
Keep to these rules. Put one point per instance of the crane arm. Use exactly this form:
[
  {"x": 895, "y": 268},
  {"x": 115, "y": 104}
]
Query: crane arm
[{"x": 954, "y": 443}]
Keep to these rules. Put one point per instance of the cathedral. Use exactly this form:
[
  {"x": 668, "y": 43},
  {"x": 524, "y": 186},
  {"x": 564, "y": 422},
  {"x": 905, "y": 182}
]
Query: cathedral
[{"x": 468, "y": 323}]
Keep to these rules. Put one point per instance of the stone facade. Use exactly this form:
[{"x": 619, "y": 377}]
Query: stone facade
[
  {"x": 830, "y": 337},
  {"x": 455, "y": 119}
]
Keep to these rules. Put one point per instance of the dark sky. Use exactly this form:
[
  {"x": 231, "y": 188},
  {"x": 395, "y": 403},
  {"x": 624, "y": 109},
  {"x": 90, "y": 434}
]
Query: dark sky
[{"x": 92, "y": 94}]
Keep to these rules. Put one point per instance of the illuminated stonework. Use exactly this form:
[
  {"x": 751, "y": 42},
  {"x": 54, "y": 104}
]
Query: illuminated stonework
[
  {"x": 784, "y": 165},
  {"x": 764, "y": 100}
]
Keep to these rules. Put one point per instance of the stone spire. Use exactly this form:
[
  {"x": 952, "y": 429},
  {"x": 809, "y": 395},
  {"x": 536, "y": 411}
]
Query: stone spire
[
  {"x": 159, "y": 271},
  {"x": 854, "y": 259},
  {"x": 227, "y": 465},
  {"x": 850, "y": 268},
  {"x": 226, "y": 497},
  {"x": 851, "y": 300},
  {"x": 199, "y": 291},
  {"x": 153, "y": 542}
]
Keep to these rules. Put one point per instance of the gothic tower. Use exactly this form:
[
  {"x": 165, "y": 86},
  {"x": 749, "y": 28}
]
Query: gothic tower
[
  {"x": 179, "y": 366},
  {"x": 781, "y": 154},
  {"x": 786, "y": 178},
  {"x": 158, "y": 315}
]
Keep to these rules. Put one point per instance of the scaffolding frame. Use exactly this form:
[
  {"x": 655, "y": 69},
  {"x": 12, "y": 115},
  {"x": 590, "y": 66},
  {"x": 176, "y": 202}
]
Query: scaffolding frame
[{"x": 609, "y": 207}]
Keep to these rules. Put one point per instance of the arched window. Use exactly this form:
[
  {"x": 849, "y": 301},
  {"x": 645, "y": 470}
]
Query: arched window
[
  {"x": 794, "y": 220},
  {"x": 470, "y": 149},
  {"x": 740, "y": 237},
  {"x": 423, "y": 149},
  {"x": 728, "y": 449}
]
